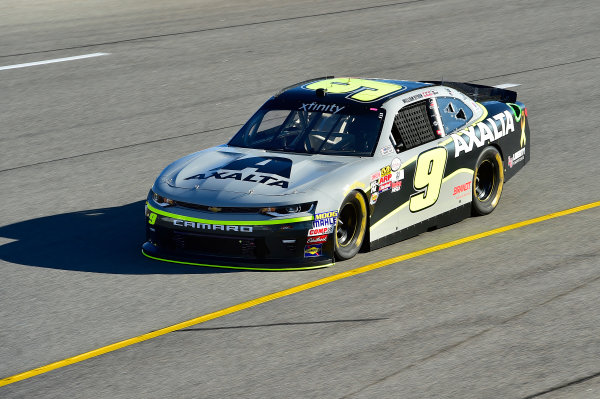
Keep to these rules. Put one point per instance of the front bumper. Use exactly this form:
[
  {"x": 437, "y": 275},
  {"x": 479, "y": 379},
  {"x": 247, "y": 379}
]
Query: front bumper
[{"x": 278, "y": 244}]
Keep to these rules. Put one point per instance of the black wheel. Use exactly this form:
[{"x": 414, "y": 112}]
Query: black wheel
[
  {"x": 351, "y": 226},
  {"x": 487, "y": 181}
]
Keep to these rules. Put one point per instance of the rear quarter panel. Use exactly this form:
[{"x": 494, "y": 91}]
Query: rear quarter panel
[{"x": 423, "y": 201}]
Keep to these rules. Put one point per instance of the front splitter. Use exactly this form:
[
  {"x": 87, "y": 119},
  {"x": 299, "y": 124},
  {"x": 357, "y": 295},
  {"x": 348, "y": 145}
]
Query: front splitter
[{"x": 152, "y": 252}]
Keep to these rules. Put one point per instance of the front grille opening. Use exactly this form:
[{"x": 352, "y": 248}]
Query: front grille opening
[
  {"x": 290, "y": 245},
  {"x": 220, "y": 246},
  {"x": 221, "y": 210}
]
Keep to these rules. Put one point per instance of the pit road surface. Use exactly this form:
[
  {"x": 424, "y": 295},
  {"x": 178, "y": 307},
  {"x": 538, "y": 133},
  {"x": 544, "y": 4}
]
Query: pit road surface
[{"x": 514, "y": 315}]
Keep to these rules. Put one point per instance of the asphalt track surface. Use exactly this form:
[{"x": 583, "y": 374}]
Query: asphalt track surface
[{"x": 512, "y": 315}]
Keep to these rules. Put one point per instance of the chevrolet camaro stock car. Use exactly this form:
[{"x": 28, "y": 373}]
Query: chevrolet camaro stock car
[{"x": 330, "y": 166}]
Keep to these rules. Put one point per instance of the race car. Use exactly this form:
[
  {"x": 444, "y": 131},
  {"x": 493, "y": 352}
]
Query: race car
[{"x": 332, "y": 166}]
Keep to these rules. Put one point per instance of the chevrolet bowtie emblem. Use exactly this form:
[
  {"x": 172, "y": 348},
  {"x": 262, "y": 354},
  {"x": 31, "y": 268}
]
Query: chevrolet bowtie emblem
[{"x": 214, "y": 209}]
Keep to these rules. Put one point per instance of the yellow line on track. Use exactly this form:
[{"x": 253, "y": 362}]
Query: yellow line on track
[{"x": 287, "y": 292}]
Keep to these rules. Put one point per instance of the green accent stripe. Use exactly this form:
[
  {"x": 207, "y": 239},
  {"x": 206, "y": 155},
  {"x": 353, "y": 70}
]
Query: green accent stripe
[
  {"x": 238, "y": 267},
  {"x": 513, "y": 108},
  {"x": 231, "y": 222}
]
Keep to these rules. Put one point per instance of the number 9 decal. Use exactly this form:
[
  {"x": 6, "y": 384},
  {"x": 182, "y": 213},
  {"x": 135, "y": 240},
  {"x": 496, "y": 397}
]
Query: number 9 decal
[
  {"x": 152, "y": 218},
  {"x": 429, "y": 171}
]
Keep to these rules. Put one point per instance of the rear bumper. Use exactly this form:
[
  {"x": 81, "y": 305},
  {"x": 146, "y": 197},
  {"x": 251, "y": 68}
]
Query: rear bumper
[{"x": 278, "y": 246}]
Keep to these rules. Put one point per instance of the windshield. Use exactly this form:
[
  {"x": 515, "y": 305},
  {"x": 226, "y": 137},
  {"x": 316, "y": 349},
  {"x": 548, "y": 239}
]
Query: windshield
[{"x": 311, "y": 132}]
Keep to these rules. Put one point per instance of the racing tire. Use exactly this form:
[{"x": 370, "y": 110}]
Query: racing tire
[
  {"x": 488, "y": 181},
  {"x": 351, "y": 226}
]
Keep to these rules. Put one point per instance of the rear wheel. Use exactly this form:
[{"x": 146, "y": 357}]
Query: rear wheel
[
  {"x": 487, "y": 181},
  {"x": 351, "y": 226}
]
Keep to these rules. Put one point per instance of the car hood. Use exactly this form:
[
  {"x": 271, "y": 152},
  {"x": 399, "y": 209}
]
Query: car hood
[{"x": 241, "y": 170}]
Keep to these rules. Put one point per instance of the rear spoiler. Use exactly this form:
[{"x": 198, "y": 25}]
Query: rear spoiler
[{"x": 480, "y": 93}]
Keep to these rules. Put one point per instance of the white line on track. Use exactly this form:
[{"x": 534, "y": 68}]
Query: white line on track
[
  {"x": 77, "y": 57},
  {"x": 507, "y": 85}
]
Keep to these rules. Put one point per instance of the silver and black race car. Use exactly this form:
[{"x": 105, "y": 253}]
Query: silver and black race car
[{"x": 330, "y": 166}]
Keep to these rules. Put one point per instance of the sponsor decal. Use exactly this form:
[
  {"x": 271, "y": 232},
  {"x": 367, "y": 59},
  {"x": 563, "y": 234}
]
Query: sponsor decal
[
  {"x": 429, "y": 93},
  {"x": 396, "y": 186},
  {"x": 263, "y": 166},
  {"x": 465, "y": 187},
  {"x": 374, "y": 197},
  {"x": 375, "y": 176},
  {"x": 385, "y": 186},
  {"x": 412, "y": 98},
  {"x": 319, "y": 231},
  {"x": 213, "y": 227},
  {"x": 325, "y": 219},
  {"x": 395, "y": 165},
  {"x": 398, "y": 175},
  {"x": 385, "y": 179},
  {"x": 332, "y": 108},
  {"x": 316, "y": 240},
  {"x": 312, "y": 250},
  {"x": 373, "y": 186},
  {"x": 486, "y": 131},
  {"x": 387, "y": 150},
  {"x": 516, "y": 157},
  {"x": 386, "y": 170}
]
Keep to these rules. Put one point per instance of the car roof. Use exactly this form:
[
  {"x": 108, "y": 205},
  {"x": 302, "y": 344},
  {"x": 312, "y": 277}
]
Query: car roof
[{"x": 351, "y": 92}]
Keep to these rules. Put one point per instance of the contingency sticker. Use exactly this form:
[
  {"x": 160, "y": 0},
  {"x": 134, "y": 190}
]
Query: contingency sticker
[
  {"x": 316, "y": 240},
  {"x": 325, "y": 219},
  {"x": 387, "y": 150},
  {"x": 320, "y": 231},
  {"x": 374, "y": 197},
  {"x": 313, "y": 250}
]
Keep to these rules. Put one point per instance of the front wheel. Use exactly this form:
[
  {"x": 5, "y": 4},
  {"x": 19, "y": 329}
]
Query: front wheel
[
  {"x": 351, "y": 226},
  {"x": 487, "y": 181}
]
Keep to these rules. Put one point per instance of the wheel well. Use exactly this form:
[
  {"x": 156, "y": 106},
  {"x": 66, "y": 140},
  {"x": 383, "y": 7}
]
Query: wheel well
[
  {"x": 366, "y": 245},
  {"x": 496, "y": 146}
]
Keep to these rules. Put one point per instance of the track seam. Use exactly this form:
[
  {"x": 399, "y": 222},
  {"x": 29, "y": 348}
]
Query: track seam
[
  {"x": 290, "y": 291},
  {"x": 539, "y": 68},
  {"x": 121, "y": 147},
  {"x": 483, "y": 332},
  {"x": 217, "y": 28},
  {"x": 242, "y": 124},
  {"x": 565, "y": 385}
]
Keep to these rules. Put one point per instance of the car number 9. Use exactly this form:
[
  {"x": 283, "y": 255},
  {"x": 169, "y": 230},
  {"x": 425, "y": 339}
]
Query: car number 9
[{"x": 429, "y": 171}]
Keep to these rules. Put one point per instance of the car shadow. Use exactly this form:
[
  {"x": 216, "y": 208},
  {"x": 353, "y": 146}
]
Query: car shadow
[{"x": 106, "y": 240}]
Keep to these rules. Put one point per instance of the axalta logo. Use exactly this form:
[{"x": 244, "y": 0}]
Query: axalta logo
[
  {"x": 278, "y": 166},
  {"x": 332, "y": 108},
  {"x": 212, "y": 227},
  {"x": 484, "y": 131}
]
